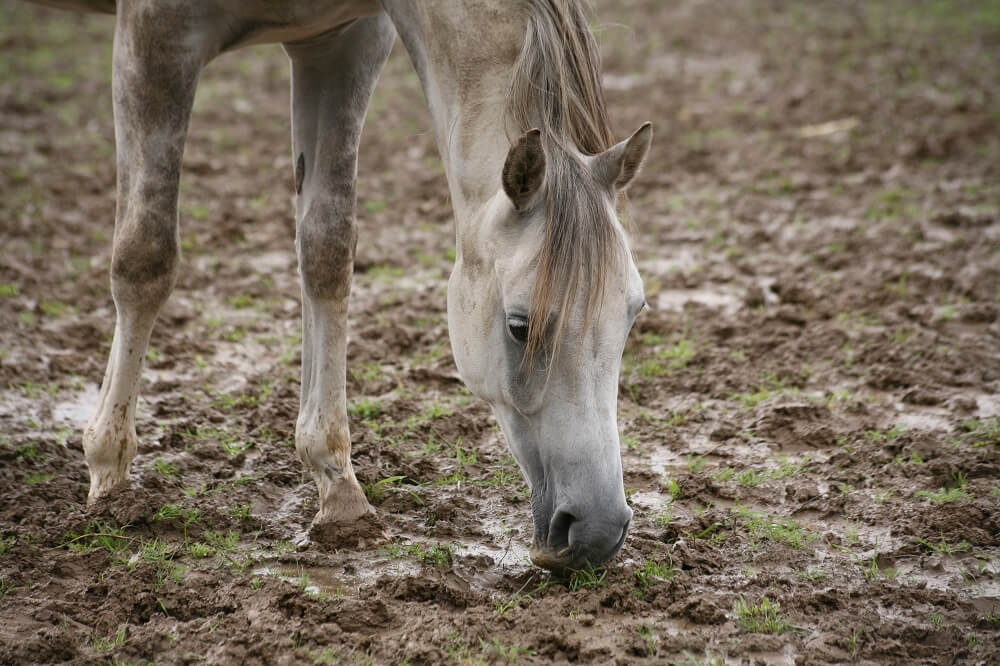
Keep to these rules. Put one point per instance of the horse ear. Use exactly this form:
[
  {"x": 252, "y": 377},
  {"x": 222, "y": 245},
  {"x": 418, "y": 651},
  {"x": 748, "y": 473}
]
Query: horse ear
[
  {"x": 617, "y": 166},
  {"x": 524, "y": 170}
]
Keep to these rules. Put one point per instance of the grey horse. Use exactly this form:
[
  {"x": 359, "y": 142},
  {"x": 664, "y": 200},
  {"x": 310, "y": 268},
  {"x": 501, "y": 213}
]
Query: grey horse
[{"x": 544, "y": 289}]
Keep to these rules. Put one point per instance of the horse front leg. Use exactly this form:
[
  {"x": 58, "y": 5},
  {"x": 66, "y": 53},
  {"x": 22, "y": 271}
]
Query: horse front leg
[
  {"x": 332, "y": 80},
  {"x": 155, "y": 72}
]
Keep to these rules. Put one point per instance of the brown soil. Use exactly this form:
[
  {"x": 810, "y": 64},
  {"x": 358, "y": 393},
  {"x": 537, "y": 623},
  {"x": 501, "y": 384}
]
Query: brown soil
[{"x": 810, "y": 411}]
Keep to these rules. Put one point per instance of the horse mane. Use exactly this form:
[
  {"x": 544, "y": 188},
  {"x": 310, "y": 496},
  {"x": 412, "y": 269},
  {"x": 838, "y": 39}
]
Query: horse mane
[{"x": 556, "y": 87}]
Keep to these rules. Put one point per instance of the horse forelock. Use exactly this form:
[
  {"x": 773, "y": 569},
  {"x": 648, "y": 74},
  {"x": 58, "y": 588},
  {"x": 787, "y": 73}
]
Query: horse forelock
[
  {"x": 581, "y": 247},
  {"x": 556, "y": 87}
]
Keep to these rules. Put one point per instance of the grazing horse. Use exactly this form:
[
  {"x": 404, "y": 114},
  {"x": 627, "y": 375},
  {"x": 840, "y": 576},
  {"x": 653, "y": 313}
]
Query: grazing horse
[{"x": 544, "y": 289}]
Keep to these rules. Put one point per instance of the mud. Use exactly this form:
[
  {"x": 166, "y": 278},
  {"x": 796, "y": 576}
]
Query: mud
[{"x": 810, "y": 412}]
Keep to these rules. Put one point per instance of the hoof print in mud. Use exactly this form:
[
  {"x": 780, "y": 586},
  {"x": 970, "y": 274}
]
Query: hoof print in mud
[{"x": 438, "y": 586}]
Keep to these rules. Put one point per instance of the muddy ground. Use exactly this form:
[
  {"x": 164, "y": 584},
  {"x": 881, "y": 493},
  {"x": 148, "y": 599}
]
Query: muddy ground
[{"x": 810, "y": 412}]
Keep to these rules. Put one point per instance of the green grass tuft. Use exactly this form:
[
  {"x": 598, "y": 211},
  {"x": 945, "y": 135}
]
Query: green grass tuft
[{"x": 763, "y": 617}]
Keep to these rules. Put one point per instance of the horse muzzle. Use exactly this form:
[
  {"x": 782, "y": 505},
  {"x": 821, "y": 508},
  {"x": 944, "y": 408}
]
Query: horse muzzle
[{"x": 577, "y": 543}]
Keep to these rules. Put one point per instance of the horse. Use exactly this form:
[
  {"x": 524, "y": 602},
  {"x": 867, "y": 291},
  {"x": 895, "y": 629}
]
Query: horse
[{"x": 544, "y": 289}]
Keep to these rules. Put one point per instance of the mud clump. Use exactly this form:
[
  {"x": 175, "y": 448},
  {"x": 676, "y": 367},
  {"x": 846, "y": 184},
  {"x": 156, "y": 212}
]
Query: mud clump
[{"x": 367, "y": 533}]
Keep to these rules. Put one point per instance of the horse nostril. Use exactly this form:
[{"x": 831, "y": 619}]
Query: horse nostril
[
  {"x": 559, "y": 526},
  {"x": 621, "y": 539}
]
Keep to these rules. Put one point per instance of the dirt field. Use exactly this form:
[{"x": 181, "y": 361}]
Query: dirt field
[{"x": 810, "y": 412}]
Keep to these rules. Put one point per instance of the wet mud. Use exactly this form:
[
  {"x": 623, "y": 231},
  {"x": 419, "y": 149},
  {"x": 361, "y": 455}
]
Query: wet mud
[{"x": 810, "y": 411}]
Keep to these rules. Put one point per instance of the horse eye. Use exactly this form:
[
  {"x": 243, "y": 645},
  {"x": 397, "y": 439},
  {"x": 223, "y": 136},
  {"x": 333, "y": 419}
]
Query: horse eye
[{"x": 517, "y": 326}]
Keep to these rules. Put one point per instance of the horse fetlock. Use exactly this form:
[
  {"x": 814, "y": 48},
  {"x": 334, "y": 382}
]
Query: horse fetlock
[
  {"x": 322, "y": 445},
  {"x": 326, "y": 453},
  {"x": 108, "y": 449}
]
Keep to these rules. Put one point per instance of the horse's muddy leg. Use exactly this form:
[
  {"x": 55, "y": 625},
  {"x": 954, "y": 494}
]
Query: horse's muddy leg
[
  {"x": 332, "y": 80},
  {"x": 156, "y": 67}
]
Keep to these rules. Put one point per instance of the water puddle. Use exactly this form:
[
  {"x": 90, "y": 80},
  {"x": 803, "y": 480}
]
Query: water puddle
[
  {"x": 350, "y": 573},
  {"x": 76, "y": 407},
  {"x": 622, "y": 81},
  {"x": 877, "y": 539},
  {"x": 914, "y": 417},
  {"x": 681, "y": 259},
  {"x": 648, "y": 501},
  {"x": 318, "y": 580},
  {"x": 509, "y": 547},
  {"x": 988, "y": 405},
  {"x": 665, "y": 461},
  {"x": 502, "y": 539},
  {"x": 326, "y": 574},
  {"x": 933, "y": 418},
  {"x": 922, "y": 420},
  {"x": 719, "y": 297},
  {"x": 16, "y": 405}
]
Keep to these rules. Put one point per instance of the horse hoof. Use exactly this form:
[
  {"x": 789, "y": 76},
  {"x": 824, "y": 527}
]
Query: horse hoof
[{"x": 342, "y": 501}]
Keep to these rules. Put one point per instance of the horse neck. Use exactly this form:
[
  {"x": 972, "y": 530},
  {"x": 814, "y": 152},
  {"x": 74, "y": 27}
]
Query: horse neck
[{"x": 464, "y": 52}]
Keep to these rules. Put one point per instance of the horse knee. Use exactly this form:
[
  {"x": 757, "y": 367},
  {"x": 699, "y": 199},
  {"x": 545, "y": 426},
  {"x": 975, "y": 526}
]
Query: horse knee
[
  {"x": 326, "y": 238},
  {"x": 145, "y": 256}
]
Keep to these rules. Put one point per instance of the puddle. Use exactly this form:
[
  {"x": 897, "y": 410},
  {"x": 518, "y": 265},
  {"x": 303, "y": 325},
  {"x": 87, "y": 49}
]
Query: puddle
[
  {"x": 663, "y": 460},
  {"x": 666, "y": 461},
  {"x": 15, "y": 404},
  {"x": 681, "y": 259},
  {"x": 923, "y": 421},
  {"x": 722, "y": 298},
  {"x": 911, "y": 417},
  {"x": 988, "y": 405},
  {"x": 78, "y": 407},
  {"x": 348, "y": 575},
  {"x": 867, "y": 536},
  {"x": 685, "y": 259},
  {"x": 947, "y": 578},
  {"x": 509, "y": 548},
  {"x": 329, "y": 574},
  {"x": 71, "y": 407},
  {"x": 622, "y": 81},
  {"x": 504, "y": 542},
  {"x": 314, "y": 580},
  {"x": 648, "y": 501},
  {"x": 931, "y": 418}
]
